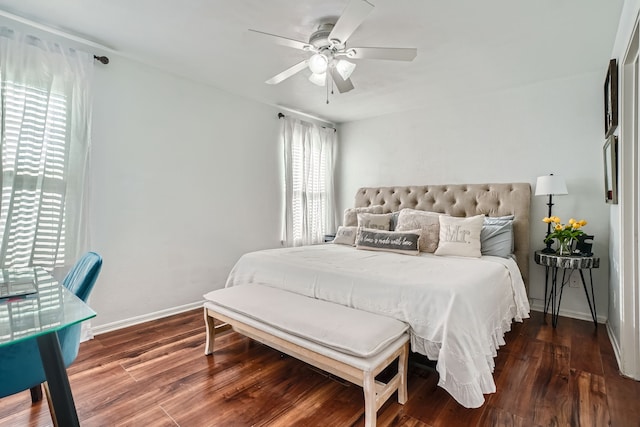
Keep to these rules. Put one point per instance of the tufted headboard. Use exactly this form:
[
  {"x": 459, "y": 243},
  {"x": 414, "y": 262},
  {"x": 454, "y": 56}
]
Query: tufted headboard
[{"x": 462, "y": 200}]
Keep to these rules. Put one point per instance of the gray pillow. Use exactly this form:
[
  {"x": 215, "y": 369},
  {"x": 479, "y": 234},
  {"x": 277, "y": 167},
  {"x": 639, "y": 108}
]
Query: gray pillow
[
  {"x": 496, "y": 237},
  {"x": 391, "y": 241},
  {"x": 393, "y": 223}
]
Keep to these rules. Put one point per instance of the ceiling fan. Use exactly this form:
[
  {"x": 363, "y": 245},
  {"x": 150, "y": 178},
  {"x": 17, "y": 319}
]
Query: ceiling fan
[{"x": 329, "y": 52}]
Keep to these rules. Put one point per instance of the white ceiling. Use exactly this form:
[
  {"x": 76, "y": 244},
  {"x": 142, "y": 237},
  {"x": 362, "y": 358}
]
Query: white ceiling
[{"x": 464, "y": 46}]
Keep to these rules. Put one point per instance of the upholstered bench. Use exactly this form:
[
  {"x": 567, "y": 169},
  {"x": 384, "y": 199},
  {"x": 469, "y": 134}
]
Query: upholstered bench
[{"x": 352, "y": 344}]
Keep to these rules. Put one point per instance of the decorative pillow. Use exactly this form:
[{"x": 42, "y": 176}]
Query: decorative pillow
[
  {"x": 406, "y": 242},
  {"x": 346, "y": 235},
  {"x": 351, "y": 214},
  {"x": 428, "y": 222},
  {"x": 374, "y": 221},
  {"x": 496, "y": 237},
  {"x": 393, "y": 223},
  {"x": 460, "y": 236}
]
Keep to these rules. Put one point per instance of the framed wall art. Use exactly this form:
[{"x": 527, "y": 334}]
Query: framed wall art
[
  {"x": 610, "y": 152},
  {"x": 611, "y": 99}
]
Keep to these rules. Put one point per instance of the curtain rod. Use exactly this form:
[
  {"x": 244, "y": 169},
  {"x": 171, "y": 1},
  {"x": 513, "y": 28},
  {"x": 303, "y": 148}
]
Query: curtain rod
[
  {"x": 103, "y": 59},
  {"x": 282, "y": 116},
  {"x": 308, "y": 116}
]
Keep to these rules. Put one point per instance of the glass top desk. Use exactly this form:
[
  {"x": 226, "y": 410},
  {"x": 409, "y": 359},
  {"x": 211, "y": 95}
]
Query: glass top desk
[{"x": 41, "y": 315}]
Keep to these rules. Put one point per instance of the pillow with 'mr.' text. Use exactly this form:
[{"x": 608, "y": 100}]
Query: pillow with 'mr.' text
[{"x": 460, "y": 236}]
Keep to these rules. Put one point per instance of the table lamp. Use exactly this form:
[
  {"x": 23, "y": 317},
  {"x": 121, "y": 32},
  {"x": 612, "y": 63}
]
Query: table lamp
[{"x": 550, "y": 185}]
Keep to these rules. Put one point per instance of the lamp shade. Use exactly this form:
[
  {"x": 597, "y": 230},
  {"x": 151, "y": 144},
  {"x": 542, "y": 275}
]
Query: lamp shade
[
  {"x": 318, "y": 63},
  {"x": 318, "y": 79},
  {"x": 345, "y": 68},
  {"x": 551, "y": 184}
]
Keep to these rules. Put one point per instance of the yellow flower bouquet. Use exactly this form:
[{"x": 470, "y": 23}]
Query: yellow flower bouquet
[{"x": 564, "y": 233}]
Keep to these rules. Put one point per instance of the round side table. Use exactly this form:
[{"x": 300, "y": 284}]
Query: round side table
[{"x": 553, "y": 294}]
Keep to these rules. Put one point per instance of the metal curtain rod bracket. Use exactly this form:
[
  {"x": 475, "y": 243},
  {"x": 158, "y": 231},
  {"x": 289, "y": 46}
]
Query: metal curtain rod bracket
[{"x": 102, "y": 59}]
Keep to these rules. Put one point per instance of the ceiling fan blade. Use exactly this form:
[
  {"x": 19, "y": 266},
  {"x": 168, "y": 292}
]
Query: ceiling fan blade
[
  {"x": 287, "y": 73},
  {"x": 284, "y": 41},
  {"x": 351, "y": 19},
  {"x": 342, "y": 84},
  {"x": 388, "y": 53}
]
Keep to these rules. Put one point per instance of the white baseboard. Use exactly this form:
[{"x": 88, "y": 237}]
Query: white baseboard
[
  {"x": 537, "y": 305},
  {"x": 97, "y": 330},
  {"x": 614, "y": 344}
]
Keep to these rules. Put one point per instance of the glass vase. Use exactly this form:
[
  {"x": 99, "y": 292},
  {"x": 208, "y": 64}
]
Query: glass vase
[{"x": 564, "y": 247}]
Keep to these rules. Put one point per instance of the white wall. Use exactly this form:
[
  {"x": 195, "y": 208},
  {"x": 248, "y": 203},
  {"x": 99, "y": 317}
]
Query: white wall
[
  {"x": 184, "y": 181},
  {"x": 628, "y": 17},
  {"x": 504, "y": 136}
]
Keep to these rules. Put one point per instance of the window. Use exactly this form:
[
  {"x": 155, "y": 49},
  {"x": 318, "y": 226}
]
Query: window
[
  {"x": 308, "y": 182},
  {"x": 33, "y": 176},
  {"x": 45, "y": 111}
]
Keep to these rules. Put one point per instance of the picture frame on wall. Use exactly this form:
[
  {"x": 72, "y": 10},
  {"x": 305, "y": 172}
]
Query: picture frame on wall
[
  {"x": 611, "y": 99},
  {"x": 610, "y": 154}
]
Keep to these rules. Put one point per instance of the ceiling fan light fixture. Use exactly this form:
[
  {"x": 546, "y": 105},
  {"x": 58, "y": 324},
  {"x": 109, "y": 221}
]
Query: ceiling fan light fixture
[
  {"x": 345, "y": 68},
  {"x": 318, "y": 63},
  {"x": 318, "y": 79},
  {"x": 327, "y": 47}
]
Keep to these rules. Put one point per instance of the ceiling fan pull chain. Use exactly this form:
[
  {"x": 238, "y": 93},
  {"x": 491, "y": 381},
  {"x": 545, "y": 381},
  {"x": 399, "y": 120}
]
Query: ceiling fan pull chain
[
  {"x": 327, "y": 88},
  {"x": 326, "y": 84}
]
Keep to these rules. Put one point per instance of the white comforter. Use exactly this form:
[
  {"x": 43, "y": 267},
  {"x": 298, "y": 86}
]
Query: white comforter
[{"x": 458, "y": 308}]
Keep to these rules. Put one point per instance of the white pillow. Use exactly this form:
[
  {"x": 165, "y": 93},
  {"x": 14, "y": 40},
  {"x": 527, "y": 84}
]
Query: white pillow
[
  {"x": 460, "y": 236},
  {"x": 374, "y": 221},
  {"x": 346, "y": 235},
  {"x": 427, "y": 222},
  {"x": 351, "y": 214}
]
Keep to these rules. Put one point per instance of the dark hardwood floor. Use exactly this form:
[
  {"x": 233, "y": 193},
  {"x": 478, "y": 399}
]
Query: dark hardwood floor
[{"x": 156, "y": 374}]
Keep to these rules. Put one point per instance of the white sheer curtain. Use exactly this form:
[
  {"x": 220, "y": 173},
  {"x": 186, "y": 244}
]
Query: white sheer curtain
[
  {"x": 309, "y": 211},
  {"x": 45, "y": 118}
]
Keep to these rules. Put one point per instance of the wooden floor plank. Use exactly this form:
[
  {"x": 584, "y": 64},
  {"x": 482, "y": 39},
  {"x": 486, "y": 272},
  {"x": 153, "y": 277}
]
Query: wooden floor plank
[
  {"x": 551, "y": 392},
  {"x": 156, "y": 374},
  {"x": 585, "y": 351},
  {"x": 499, "y": 418},
  {"x": 589, "y": 407}
]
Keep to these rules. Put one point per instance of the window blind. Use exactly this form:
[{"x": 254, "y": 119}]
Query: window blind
[{"x": 34, "y": 159}]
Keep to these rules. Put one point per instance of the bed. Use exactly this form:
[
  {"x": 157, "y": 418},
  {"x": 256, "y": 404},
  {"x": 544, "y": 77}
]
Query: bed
[{"x": 458, "y": 308}]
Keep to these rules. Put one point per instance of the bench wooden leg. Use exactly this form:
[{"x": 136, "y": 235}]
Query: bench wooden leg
[
  {"x": 211, "y": 330},
  {"x": 370, "y": 400},
  {"x": 377, "y": 393},
  {"x": 403, "y": 363}
]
